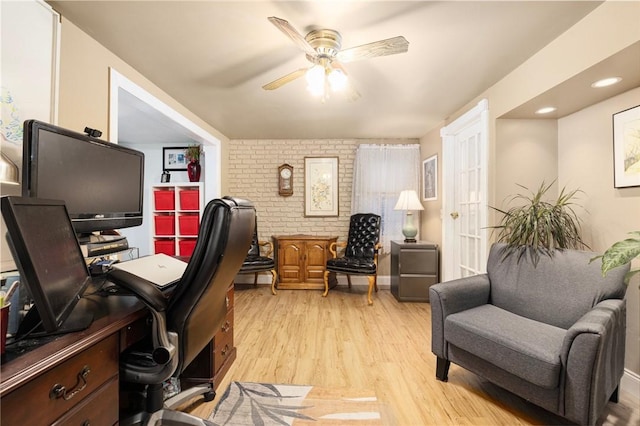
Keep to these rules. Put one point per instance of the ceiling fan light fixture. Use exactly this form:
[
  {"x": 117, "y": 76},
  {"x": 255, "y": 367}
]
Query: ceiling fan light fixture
[
  {"x": 315, "y": 80},
  {"x": 337, "y": 80}
]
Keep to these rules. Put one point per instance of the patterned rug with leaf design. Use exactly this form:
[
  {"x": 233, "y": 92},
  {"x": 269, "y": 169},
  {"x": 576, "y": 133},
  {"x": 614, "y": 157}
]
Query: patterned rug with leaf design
[{"x": 245, "y": 403}]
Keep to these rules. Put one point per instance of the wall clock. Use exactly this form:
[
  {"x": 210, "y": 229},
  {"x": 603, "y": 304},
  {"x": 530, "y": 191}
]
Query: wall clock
[{"x": 285, "y": 180}]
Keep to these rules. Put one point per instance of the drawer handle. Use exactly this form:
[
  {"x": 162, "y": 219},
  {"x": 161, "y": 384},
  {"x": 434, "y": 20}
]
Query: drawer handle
[
  {"x": 224, "y": 350},
  {"x": 226, "y": 327},
  {"x": 59, "y": 391},
  {"x": 226, "y": 299}
]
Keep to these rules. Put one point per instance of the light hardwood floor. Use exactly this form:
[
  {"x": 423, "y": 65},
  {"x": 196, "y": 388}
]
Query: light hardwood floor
[{"x": 299, "y": 337}]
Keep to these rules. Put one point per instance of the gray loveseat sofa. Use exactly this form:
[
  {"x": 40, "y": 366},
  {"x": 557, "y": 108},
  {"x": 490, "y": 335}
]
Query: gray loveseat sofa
[{"x": 553, "y": 334}]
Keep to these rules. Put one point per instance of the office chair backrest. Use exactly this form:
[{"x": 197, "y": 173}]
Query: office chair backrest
[
  {"x": 364, "y": 234},
  {"x": 198, "y": 306}
]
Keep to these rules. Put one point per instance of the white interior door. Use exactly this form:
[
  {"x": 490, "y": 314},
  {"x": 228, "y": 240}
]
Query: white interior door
[{"x": 464, "y": 248}]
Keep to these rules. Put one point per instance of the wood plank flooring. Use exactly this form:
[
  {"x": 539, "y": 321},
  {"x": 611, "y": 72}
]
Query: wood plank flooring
[{"x": 299, "y": 337}]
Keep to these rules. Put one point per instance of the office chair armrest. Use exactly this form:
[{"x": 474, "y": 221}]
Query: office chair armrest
[
  {"x": 141, "y": 288},
  {"x": 269, "y": 247}
]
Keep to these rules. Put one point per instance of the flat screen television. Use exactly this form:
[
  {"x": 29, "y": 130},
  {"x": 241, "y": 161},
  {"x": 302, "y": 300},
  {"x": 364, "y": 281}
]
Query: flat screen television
[
  {"x": 100, "y": 182},
  {"x": 48, "y": 256}
]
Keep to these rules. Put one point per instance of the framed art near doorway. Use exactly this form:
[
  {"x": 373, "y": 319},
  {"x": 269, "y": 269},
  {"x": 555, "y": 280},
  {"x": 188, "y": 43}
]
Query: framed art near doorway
[
  {"x": 626, "y": 148},
  {"x": 430, "y": 178}
]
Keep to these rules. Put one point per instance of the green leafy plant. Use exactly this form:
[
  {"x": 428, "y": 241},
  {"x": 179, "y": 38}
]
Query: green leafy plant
[
  {"x": 536, "y": 226},
  {"x": 193, "y": 153},
  {"x": 621, "y": 253}
]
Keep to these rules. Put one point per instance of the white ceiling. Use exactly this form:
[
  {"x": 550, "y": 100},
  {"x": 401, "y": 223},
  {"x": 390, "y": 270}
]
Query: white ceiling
[{"x": 214, "y": 57}]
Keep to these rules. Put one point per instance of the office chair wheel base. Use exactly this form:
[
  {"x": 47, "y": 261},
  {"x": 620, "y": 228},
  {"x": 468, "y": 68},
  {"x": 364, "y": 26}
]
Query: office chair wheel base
[{"x": 209, "y": 396}]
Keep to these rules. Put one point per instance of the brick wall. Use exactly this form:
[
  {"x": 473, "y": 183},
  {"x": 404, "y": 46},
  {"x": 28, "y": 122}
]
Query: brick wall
[{"x": 252, "y": 173}]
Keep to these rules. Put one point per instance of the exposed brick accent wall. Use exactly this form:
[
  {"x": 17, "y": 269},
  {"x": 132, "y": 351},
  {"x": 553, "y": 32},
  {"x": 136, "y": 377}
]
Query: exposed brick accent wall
[{"x": 252, "y": 173}]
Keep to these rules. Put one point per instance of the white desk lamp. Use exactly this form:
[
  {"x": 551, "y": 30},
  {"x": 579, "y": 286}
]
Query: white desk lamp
[{"x": 409, "y": 201}]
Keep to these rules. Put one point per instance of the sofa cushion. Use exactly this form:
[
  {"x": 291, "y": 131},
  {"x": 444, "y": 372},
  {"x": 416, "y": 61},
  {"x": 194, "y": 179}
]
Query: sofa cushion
[{"x": 526, "y": 348}]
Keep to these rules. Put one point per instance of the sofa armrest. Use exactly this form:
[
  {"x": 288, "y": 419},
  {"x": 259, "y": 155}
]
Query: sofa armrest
[
  {"x": 593, "y": 356},
  {"x": 454, "y": 296}
]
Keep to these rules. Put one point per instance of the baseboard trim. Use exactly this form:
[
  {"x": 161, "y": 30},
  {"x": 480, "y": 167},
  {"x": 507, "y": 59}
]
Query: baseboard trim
[{"x": 630, "y": 384}]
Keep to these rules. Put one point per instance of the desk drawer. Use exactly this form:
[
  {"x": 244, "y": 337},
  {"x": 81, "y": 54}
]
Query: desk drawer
[
  {"x": 100, "y": 408},
  {"x": 223, "y": 342},
  {"x": 31, "y": 403}
]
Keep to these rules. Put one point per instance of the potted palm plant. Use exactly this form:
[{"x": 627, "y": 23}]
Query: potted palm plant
[{"x": 537, "y": 226}]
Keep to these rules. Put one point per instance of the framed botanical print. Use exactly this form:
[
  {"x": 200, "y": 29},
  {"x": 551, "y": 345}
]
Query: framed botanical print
[
  {"x": 626, "y": 148},
  {"x": 430, "y": 179},
  {"x": 321, "y": 186}
]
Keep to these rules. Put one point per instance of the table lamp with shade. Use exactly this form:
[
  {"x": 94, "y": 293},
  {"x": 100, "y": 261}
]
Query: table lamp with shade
[{"x": 409, "y": 201}]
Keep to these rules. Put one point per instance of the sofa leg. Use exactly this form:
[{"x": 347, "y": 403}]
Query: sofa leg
[
  {"x": 615, "y": 395},
  {"x": 442, "y": 369}
]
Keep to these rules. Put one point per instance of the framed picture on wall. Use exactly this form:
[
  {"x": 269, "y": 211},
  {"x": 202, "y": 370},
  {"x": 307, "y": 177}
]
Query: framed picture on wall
[
  {"x": 626, "y": 148},
  {"x": 174, "y": 158},
  {"x": 321, "y": 186},
  {"x": 430, "y": 178}
]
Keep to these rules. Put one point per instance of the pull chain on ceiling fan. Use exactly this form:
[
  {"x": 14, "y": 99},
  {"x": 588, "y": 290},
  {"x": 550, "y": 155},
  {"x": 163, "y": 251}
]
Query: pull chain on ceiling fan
[{"x": 323, "y": 49}]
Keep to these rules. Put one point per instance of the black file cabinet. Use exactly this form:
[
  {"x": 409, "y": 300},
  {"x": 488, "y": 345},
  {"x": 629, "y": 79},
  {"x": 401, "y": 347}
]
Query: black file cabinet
[{"x": 414, "y": 268}]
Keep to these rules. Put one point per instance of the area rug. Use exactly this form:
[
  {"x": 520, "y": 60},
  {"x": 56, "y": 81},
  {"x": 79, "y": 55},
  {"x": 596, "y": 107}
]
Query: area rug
[{"x": 246, "y": 403}]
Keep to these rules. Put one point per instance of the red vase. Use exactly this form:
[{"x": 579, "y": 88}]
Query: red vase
[{"x": 193, "y": 171}]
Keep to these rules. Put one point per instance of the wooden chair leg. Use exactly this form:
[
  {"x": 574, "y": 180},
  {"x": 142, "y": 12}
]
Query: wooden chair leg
[
  {"x": 371, "y": 284},
  {"x": 274, "y": 279},
  {"x": 349, "y": 280},
  {"x": 255, "y": 279},
  {"x": 326, "y": 284},
  {"x": 375, "y": 282}
]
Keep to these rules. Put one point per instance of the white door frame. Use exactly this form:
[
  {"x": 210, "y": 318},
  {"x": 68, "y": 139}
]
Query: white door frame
[{"x": 479, "y": 113}]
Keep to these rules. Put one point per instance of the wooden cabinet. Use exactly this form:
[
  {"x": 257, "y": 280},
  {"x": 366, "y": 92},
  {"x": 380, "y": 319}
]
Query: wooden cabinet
[
  {"x": 301, "y": 261},
  {"x": 176, "y": 214},
  {"x": 414, "y": 268},
  {"x": 211, "y": 365}
]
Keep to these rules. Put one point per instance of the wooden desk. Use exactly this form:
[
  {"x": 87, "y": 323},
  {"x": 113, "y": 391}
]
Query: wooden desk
[{"x": 28, "y": 379}]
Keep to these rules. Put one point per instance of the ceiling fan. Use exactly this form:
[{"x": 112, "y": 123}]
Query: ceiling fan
[{"x": 323, "y": 49}]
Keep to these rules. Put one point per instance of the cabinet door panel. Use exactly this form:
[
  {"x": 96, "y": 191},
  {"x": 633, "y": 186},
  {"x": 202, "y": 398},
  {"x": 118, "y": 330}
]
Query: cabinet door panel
[
  {"x": 289, "y": 255},
  {"x": 315, "y": 262}
]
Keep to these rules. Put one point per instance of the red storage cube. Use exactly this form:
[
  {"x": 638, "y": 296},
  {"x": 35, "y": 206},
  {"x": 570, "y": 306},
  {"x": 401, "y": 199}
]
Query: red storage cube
[
  {"x": 167, "y": 247},
  {"x": 186, "y": 247},
  {"x": 189, "y": 199},
  {"x": 188, "y": 224},
  {"x": 165, "y": 225},
  {"x": 165, "y": 200}
]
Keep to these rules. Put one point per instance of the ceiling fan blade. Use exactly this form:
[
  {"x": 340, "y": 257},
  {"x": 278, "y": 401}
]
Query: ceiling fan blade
[
  {"x": 390, "y": 46},
  {"x": 285, "y": 79},
  {"x": 294, "y": 35}
]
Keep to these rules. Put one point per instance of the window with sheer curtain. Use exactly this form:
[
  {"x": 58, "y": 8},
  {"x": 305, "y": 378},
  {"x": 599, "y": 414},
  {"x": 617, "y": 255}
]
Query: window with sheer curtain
[{"x": 380, "y": 173}]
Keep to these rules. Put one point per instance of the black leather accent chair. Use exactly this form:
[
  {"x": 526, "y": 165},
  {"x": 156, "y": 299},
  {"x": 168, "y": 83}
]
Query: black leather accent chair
[
  {"x": 361, "y": 253},
  {"x": 186, "y": 321},
  {"x": 256, "y": 262}
]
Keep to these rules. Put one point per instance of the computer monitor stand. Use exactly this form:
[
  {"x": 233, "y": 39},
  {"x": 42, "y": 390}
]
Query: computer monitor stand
[{"x": 31, "y": 325}]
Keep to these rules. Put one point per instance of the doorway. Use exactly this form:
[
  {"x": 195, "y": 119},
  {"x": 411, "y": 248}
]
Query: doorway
[{"x": 464, "y": 149}]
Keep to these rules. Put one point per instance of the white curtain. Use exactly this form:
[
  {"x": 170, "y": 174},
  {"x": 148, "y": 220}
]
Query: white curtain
[{"x": 380, "y": 173}]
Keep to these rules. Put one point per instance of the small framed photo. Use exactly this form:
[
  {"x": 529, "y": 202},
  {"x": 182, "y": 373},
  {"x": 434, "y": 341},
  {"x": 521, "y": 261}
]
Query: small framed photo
[
  {"x": 626, "y": 148},
  {"x": 430, "y": 178},
  {"x": 174, "y": 158},
  {"x": 321, "y": 186}
]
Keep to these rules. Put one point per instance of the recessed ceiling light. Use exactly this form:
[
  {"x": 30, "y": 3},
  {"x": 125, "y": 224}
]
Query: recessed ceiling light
[
  {"x": 606, "y": 82},
  {"x": 545, "y": 110}
]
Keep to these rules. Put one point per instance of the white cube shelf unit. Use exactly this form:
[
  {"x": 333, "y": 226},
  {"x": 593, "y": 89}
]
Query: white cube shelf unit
[{"x": 177, "y": 211}]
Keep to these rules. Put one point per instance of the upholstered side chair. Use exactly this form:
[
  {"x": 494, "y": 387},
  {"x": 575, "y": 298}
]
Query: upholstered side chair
[{"x": 360, "y": 255}]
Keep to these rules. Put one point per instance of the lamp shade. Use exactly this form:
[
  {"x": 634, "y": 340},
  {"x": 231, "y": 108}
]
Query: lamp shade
[
  {"x": 8, "y": 171},
  {"x": 408, "y": 201}
]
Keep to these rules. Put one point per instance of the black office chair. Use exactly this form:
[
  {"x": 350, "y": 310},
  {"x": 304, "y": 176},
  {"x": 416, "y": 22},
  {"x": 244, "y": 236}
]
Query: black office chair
[
  {"x": 361, "y": 252},
  {"x": 255, "y": 262},
  {"x": 184, "y": 323}
]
